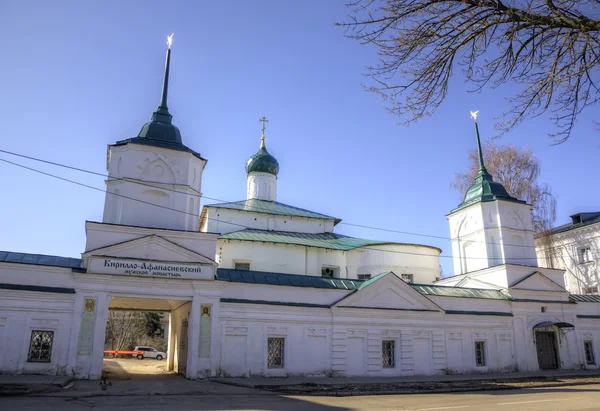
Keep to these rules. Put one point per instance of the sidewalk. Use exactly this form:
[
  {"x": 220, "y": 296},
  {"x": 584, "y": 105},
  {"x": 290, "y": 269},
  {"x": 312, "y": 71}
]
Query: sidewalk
[
  {"x": 264, "y": 382},
  {"x": 27, "y": 384},
  {"x": 345, "y": 386},
  {"x": 68, "y": 387}
]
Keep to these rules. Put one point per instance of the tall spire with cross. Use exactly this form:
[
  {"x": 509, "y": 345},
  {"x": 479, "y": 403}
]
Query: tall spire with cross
[
  {"x": 484, "y": 188},
  {"x": 161, "y": 127}
]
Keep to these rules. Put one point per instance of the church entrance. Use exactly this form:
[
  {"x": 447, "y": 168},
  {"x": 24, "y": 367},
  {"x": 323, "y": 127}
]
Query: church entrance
[
  {"x": 545, "y": 342},
  {"x": 144, "y": 339}
]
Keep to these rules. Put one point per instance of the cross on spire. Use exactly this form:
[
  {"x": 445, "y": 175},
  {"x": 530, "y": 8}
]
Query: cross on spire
[{"x": 264, "y": 122}]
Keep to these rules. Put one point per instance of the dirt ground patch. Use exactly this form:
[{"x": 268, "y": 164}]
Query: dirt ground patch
[
  {"x": 127, "y": 368},
  {"x": 428, "y": 387}
]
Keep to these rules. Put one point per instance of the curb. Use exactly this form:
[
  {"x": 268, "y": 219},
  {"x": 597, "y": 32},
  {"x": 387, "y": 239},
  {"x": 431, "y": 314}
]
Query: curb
[{"x": 433, "y": 391}]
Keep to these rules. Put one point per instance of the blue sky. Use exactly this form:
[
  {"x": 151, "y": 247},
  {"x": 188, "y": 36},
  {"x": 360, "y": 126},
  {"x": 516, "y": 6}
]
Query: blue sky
[{"x": 76, "y": 76}]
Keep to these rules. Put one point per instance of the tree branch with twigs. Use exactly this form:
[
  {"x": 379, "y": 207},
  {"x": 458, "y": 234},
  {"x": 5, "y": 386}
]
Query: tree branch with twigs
[{"x": 549, "y": 48}]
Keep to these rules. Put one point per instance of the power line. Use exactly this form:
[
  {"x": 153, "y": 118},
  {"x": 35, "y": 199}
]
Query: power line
[
  {"x": 235, "y": 224},
  {"x": 143, "y": 183}
]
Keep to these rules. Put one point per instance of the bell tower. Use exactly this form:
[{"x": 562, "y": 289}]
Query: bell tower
[
  {"x": 490, "y": 227},
  {"x": 154, "y": 180}
]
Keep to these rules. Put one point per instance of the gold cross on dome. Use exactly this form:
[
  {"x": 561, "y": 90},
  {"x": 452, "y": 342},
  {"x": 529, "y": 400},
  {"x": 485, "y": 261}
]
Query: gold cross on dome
[{"x": 264, "y": 122}]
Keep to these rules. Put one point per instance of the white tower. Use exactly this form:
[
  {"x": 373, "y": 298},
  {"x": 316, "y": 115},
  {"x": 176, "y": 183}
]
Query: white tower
[
  {"x": 262, "y": 169},
  {"x": 490, "y": 227},
  {"x": 154, "y": 180}
]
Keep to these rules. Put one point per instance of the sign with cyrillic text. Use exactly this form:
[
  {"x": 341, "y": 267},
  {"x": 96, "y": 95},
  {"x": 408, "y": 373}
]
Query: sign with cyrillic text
[{"x": 155, "y": 269}]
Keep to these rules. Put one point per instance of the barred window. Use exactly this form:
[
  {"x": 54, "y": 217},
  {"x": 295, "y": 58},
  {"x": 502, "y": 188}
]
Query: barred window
[
  {"x": 275, "y": 352},
  {"x": 588, "y": 347},
  {"x": 40, "y": 347},
  {"x": 480, "y": 353},
  {"x": 407, "y": 277},
  {"x": 242, "y": 266},
  {"x": 388, "y": 353},
  {"x": 364, "y": 276}
]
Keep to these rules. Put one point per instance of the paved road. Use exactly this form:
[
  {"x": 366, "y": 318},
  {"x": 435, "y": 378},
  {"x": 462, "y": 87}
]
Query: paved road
[{"x": 586, "y": 397}]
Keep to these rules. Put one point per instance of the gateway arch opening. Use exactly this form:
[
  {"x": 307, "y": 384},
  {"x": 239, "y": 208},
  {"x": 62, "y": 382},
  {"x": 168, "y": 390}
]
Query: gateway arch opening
[{"x": 146, "y": 338}]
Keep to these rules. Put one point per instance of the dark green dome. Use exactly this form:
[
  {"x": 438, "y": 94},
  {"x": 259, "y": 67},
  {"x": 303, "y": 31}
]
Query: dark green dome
[
  {"x": 161, "y": 128},
  {"x": 262, "y": 162}
]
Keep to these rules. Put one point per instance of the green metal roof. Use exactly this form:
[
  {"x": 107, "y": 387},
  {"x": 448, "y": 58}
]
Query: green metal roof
[
  {"x": 330, "y": 241},
  {"x": 272, "y": 207},
  {"x": 292, "y": 280},
  {"x": 585, "y": 298},
  {"x": 445, "y": 291},
  {"x": 262, "y": 162},
  {"x": 373, "y": 279},
  {"x": 484, "y": 188},
  {"x": 39, "y": 259}
]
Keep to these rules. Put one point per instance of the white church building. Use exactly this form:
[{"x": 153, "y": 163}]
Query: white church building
[{"x": 258, "y": 287}]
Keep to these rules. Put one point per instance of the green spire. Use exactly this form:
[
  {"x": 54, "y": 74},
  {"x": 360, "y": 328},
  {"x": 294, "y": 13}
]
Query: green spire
[
  {"x": 484, "y": 188},
  {"x": 161, "y": 127},
  {"x": 479, "y": 150}
]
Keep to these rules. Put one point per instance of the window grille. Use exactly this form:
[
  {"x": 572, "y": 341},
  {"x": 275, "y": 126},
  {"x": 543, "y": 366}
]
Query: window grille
[
  {"x": 585, "y": 254},
  {"x": 480, "y": 353},
  {"x": 364, "y": 276},
  {"x": 407, "y": 277},
  {"x": 40, "y": 347},
  {"x": 275, "y": 352},
  {"x": 242, "y": 266},
  {"x": 588, "y": 347},
  {"x": 388, "y": 353}
]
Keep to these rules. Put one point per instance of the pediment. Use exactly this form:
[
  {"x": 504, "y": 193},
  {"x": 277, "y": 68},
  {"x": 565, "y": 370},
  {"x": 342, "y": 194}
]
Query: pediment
[
  {"x": 469, "y": 282},
  {"x": 151, "y": 247},
  {"x": 537, "y": 282},
  {"x": 388, "y": 291}
]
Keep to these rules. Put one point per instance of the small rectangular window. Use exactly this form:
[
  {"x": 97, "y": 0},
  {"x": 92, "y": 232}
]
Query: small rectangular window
[
  {"x": 584, "y": 254},
  {"x": 364, "y": 276},
  {"x": 388, "y": 353},
  {"x": 588, "y": 347},
  {"x": 40, "y": 347},
  {"x": 330, "y": 272},
  {"x": 242, "y": 266},
  {"x": 275, "y": 352},
  {"x": 480, "y": 353},
  {"x": 407, "y": 277}
]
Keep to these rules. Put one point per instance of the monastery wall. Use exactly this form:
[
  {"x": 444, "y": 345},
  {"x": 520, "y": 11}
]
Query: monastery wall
[{"x": 223, "y": 221}]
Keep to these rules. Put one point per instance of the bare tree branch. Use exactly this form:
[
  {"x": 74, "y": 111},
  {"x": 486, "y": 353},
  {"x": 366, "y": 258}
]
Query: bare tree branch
[
  {"x": 548, "y": 47},
  {"x": 518, "y": 171}
]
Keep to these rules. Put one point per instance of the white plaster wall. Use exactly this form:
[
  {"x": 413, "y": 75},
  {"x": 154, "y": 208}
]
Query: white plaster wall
[
  {"x": 491, "y": 233},
  {"x": 421, "y": 261},
  {"x": 21, "y": 312},
  {"x": 261, "y": 186},
  {"x": 282, "y": 293},
  {"x": 99, "y": 235},
  {"x": 293, "y": 259},
  {"x": 161, "y": 171},
  {"x": 563, "y": 254},
  {"x": 471, "y": 304},
  {"x": 223, "y": 221}
]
